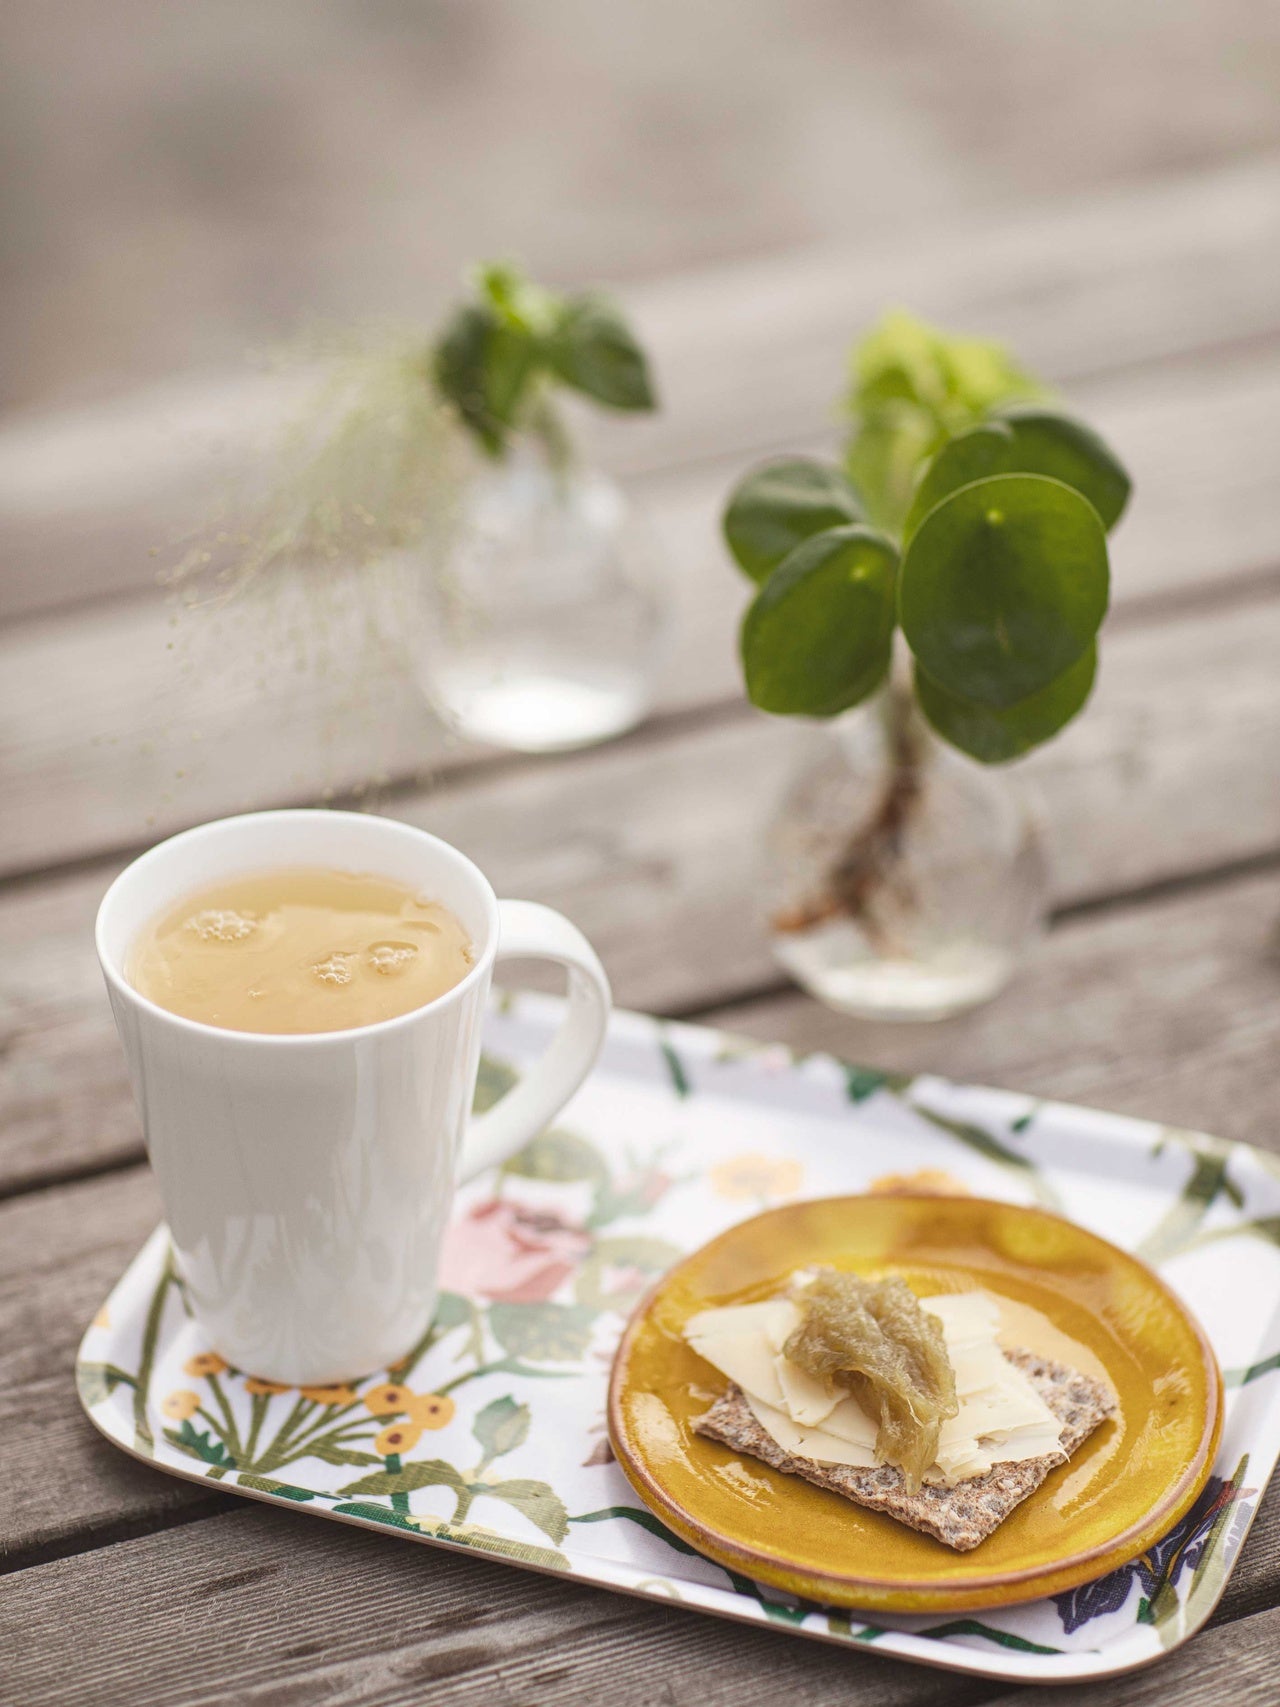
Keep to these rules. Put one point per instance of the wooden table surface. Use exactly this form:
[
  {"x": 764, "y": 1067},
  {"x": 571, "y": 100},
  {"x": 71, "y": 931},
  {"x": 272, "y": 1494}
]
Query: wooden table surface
[{"x": 1158, "y": 991}]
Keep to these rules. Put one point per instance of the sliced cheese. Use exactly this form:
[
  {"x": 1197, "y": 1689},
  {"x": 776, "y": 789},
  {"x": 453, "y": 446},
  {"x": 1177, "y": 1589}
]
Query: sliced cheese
[
  {"x": 813, "y": 1443},
  {"x": 848, "y": 1421},
  {"x": 775, "y": 1318},
  {"x": 805, "y": 1398},
  {"x": 1001, "y": 1418},
  {"x": 977, "y": 1366},
  {"x": 779, "y": 1327},
  {"x": 964, "y": 1315},
  {"x": 746, "y": 1358}
]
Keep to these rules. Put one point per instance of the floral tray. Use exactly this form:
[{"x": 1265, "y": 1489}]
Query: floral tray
[{"x": 490, "y": 1434}]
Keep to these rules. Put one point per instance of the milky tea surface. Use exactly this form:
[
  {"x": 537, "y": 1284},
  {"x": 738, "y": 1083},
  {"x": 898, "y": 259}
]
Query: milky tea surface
[{"x": 299, "y": 950}]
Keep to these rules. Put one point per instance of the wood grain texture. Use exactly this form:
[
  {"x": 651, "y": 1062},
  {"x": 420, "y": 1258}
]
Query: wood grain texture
[
  {"x": 1169, "y": 1009},
  {"x": 1235, "y": 1664},
  {"x": 593, "y": 149},
  {"x": 60, "y": 1482},
  {"x": 1137, "y": 276},
  {"x": 126, "y": 719},
  {"x": 267, "y": 1607},
  {"x": 749, "y": 353},
  {"x": 654, "y": 847}
]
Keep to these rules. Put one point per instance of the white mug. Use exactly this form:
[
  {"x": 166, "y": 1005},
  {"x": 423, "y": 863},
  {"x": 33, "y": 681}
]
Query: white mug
[{"x": 307, "y": 1178}]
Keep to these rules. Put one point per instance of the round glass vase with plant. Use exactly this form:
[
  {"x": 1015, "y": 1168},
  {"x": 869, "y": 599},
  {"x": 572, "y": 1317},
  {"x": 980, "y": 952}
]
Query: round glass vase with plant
[
  {"x": 544, "y": 617},
  {"x": 936, "y": 600}
]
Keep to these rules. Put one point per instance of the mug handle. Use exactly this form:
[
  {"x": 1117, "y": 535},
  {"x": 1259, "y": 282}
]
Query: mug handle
[{"x": 529, "y": 930}]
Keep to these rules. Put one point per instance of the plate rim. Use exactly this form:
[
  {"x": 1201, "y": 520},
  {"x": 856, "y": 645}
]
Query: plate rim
[{"x": 881, "y": 1594}]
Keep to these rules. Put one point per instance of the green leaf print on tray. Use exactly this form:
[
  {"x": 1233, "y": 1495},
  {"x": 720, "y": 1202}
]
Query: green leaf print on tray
[
  {"x": 543, "y": 1333},
  {"x": 557, "y": 1156},
  {"x": 488, "y": 1434},
  {"x": 435, "y": 1473},
  {"x": 501, "y": 1426},
  {"x": 1207, "y": 1182},
  {"x": 97, "y": 1381},
  {"x": 539, "y": 1503},
  {"x": 201, "y": 1446}
]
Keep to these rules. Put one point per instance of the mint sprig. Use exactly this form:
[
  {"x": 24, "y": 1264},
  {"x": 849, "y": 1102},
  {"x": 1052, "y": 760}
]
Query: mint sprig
[{"x": 503, "y": 352}]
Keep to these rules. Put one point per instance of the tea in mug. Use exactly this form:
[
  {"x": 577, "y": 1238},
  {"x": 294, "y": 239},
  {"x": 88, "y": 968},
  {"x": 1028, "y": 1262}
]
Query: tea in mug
[{"x": 299, "y": 950}]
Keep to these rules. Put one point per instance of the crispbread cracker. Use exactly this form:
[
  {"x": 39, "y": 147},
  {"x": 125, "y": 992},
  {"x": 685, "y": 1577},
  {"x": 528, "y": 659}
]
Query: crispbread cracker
[{"x": 959, "y": 1517}]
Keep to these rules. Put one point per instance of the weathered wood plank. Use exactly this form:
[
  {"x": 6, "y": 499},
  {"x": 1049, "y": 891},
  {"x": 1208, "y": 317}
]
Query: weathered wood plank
[
  {"x": 1255, "y": 1581},
  {"x": 272, "y": 1607},
  {"x": 1181, "y": 982},
  {"x": 1234, "y": 1663},
  {"x": 1080, "y": 288},
  {"x": 60, "y": 1254},
  {"x": 124, "y": 720},
  {"x": 1169, "y": 1009},
  {"x": 654, "y": 847},
  {"x": 748, "y": 354},
  {"x": 266, "y": 1607}
]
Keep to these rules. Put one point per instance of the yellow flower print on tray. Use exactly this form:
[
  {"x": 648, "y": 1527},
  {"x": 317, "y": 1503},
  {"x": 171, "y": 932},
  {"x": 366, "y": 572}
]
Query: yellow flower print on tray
[
  {"x": 500, "y": 1428},
  {"x": 205, "y": 1363},
  {"x": 332, "y": 1421},
  {"x": 756, "y": 1178},
  {"x": 397, "y": 1438},
  {"x": 432, "y": 1410},
  {"x": 424, "y": 1410},
  {"x": 179, "y": 1406},
  {"x": 387, "y": 1398},
  {"x": 333, "y": 1393}
]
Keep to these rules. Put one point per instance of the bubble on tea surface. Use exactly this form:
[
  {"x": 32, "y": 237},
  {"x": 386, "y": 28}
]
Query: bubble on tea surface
[
  {"x": 390, "y": 958},
  {"x": 221, "y": 924},
  {"x": 335, "y": 970}
]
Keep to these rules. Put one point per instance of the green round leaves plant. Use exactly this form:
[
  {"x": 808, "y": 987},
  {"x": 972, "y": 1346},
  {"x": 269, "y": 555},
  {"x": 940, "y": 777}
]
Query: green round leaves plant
[
  {"x": 777, "y": 507},
  {"x": 993, "y": 735},
  {"x": 1026, "y": 441},
  {"x": 1003, "y": 587},
  {"x": 502, "y": 353},
  {"x": 994, "y": 509},
  {"x": 817, "y": 638},
  {"x": 591, "y": 349}
]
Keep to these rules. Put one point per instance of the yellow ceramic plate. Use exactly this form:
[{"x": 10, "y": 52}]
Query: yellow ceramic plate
[{"x": 1063, "y": 1291}]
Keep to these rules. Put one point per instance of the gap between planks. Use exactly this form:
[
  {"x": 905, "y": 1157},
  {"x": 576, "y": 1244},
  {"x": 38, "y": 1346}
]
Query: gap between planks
[
  {"x": 770, "y": 996},
  {"x": 267, "y": 1613},
  {"x": 466, "y": 1624},
  {"x": 654, "y": 848},
  {"x": 1248, "y": 586}
]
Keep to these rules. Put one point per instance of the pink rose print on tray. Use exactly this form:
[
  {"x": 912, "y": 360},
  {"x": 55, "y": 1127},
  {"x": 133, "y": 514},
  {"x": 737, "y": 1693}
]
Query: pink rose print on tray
[
  {"x": 509, "y": 1254},
  {"x": 537, "y": 1275}
]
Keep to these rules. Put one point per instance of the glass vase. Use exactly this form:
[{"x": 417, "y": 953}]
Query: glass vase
[
  {"x": 545, "y": 620},
  {"x": 904, "y": 881}
]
